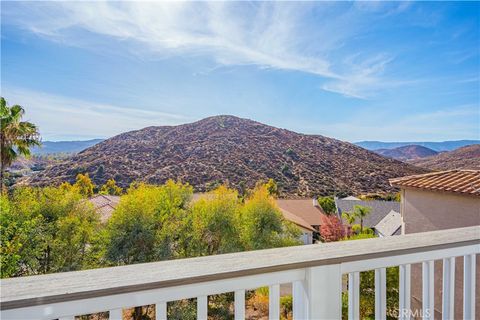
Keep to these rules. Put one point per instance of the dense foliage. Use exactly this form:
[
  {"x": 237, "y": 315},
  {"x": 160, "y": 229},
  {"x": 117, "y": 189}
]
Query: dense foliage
[
  {"x": 16, "y": 136},
  {"x": 327, "y": 204}
]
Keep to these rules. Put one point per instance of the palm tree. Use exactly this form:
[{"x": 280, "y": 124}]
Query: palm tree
[
  {"x": 361, "y": 212},
  {"x": 16, "y": 136},
  {"x": 350, "y": 217}
]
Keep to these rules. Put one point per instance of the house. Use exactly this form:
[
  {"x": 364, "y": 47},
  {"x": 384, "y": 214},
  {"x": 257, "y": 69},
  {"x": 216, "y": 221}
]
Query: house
[
  {"x": 384, "y": 217},
  {"x": 307, "y": 209},
  {"x": 305, "y": 227},
  {"x": 439, "y": 201},
  {"x": 390, "y": 225},
  {"x": 104, "y": 205}
]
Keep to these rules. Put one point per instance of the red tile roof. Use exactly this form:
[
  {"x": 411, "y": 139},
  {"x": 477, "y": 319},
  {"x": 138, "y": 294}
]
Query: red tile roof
[{"x": 457, "y": 181}]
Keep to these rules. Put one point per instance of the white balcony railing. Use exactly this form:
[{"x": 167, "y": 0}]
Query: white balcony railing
[{"x": 315, "y": 272}]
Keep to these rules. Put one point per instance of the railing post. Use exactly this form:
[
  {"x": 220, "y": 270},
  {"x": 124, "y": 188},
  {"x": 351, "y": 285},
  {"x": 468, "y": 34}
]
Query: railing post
[
  {"x": 324, "y": 292},
  {"x": 469, "y": 263},
  {"x": 239, "y": 305},
  {"x": 161, "y": 311},
  {"x": 300, "y": 302},
  {"x": 427, "y": 290},
  {"x": 115, "y": 314},
  {"x": 404, "y": 292},
  {"x": 448, "y": 295},
  {"x": 380, "y": 293},
  {"x": 202, "y": 308},
  {"x": 274, "y": 302},
  {"x": 354, "y": 296}
]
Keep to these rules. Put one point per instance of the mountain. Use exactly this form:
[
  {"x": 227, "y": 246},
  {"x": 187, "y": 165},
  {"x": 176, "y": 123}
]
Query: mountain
[
  {"x": 436, "y": 146},
  {"x": 404, "y": 153},
  {"x": 467, "y": 157},
  {"x": 240, "y": 152},
  {"x": 49, "y": 147}
]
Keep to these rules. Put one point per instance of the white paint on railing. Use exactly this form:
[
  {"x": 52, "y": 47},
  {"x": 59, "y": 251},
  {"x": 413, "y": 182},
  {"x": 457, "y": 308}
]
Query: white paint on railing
[
  {"x": 324, "y": 292},
  {"x": 428, "y": 289},
  {"x": 317, "y": 290},
  {"x": 274, "y": 302},
  {"x": 239, "y": 305},
  {"x": 469, "y": 263},
  {"x": 404, "y": 291},
  {"x": 202, "y": 308},
  {"x": 161, "y": 311},
  {"x": 354, "y": 296},
  {"x": 67, "y": 318},
  {"x": 115, "y": 314},
  {"x": 380, "y": 294},
  {"x": 299, "y": 296},
  {"x": 448, "y": 292}
]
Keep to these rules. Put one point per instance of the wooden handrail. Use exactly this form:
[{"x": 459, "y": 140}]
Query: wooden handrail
[{"x": 68, "y": 286}]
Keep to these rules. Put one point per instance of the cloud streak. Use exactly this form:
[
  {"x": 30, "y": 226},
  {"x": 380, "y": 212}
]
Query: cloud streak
[
  {"x": 83, "y": 119},
  {"x": 268, "y": 35}
]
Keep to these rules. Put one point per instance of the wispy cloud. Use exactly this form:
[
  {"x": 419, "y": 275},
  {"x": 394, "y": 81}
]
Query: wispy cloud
[
  {"x": 269, "y": 35},
  {"x": 60, "y": 117}
]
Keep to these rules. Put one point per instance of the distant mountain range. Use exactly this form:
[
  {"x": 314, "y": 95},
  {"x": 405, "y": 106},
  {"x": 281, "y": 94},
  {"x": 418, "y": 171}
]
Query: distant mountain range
[
  {"x": 239, "y": 152},
  {"x": 405, "y": 153},
  {"x": 436, "y": 146},
  {"x": 50, "y": 147},
  {"x": 467, "y": 157}
]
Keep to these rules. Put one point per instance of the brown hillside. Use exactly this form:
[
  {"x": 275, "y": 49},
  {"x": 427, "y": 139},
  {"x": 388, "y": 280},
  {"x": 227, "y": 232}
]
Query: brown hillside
[
  {"x": 404, "y": 153},
  {"x": 240, "y": 152},
  {"x": 467, "y": 157}
]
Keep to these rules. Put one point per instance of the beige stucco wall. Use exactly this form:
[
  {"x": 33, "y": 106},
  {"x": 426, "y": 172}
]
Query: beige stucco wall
[{"x": 427, "y": 211}]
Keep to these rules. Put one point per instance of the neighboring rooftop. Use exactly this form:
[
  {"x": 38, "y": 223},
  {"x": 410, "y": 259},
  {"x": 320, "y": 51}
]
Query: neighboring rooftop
[
  {"x": 104, "y": 204},
  {"x": 379, "y": 209},
  {"x": 297, "y": 220},
  {"x": 390, "y": 225},
  {"x": 457, "y": 181},
  {"x": 302, "y": 208}
]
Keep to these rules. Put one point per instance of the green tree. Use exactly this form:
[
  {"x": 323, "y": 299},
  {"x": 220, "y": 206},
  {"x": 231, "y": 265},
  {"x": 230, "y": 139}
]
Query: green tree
[
  {"x": 327, "y": 204},
  {"x": 263, "y": 225},
  {"x": 214, "y": 223},
  {"x": 46, "y": 230},
  {"x": 16, "y": 136},
  {"x": 147, "y": 224},
  {"x": 361, "y": 213},
  {"x": 110, "y": 188},
  {"x": 84, "y": 185}
]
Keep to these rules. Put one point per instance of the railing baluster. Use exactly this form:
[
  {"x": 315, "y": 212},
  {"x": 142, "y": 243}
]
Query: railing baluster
[
  {"x": 202, "y": 308},
  {"x": 404, "y": 292},
  {"x": 380, "y": 293},
  {"x": 239, "y": 305},
  {"x": 354, "y": 296},
  {"x": 427, "y": 289},
  {"x": 299, "y": 300},
  {"x": 115, "y": 314},
  {"x": 274, "y": 302},
  {"x": 161, "y": 311},
  {"x": 469, "y": 263},
  {"x": 448, "y": 295}
]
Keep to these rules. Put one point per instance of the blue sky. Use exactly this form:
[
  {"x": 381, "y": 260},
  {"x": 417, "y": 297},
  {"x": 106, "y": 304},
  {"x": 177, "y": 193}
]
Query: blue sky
[{"x": 389, "y": 71}]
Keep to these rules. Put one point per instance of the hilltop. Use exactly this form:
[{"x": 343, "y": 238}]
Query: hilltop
[
  {"x": 405, "y": 153},
  {"x": 240, "y": 152},
  {"x": 467, "y": 157}
]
